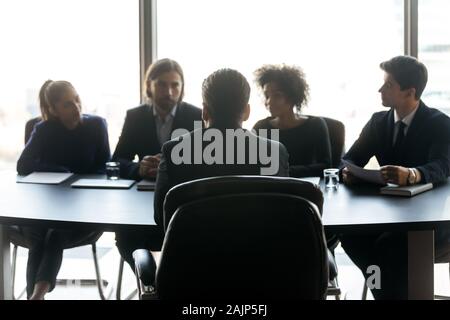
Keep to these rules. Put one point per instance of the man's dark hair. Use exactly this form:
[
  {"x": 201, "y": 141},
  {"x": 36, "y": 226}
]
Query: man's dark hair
[
  {"x": 158, "y": 68},
  {"x": 408, "y": 72},
  {"x": 226, "y": 93},
  {"x": 290, "y": 80}
]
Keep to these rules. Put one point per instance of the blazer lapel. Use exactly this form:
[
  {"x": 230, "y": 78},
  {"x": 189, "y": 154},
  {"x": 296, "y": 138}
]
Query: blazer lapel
[
  {"x": 416, "y": 124},
  {"x": 389, "y": 135},
  {"x": 178, "y": 120},
  {"x": 150, "y": 135},
  {"x": 410, "y": 138}
]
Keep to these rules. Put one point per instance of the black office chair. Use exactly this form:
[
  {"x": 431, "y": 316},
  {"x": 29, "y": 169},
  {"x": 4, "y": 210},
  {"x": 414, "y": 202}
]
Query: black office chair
[
  {"x": 336, "y": 132},
  {"x": 29, "y": 126},
  {"x": 17, "y": 239},
  {"x": 239, "y": 237}
]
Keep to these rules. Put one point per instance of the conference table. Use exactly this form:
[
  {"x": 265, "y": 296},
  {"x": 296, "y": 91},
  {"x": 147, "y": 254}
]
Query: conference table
[
  {"x": 346, "y": 210},
  {"x": 363, "y": 210},
  {"x": 61, "y": 206}
]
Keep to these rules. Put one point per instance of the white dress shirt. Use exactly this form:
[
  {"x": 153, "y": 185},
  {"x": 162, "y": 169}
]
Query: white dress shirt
[
  {"x": 164, "y": 126},
  {"x": 406, "y": 120}
]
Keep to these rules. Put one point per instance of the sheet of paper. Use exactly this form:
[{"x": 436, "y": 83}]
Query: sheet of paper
[
  {"x": 373, "y": 176},
  {"x": 45, "y": 177}
]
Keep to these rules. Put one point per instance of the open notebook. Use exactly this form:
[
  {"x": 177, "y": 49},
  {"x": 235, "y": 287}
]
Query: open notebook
[{"x": 103, "y": 184}]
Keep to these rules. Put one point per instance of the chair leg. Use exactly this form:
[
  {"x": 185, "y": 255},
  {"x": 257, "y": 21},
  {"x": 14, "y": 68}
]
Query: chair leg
[
  {"x": 364, "y": 293},
  {"x": 132, "y": 294},
  {"x": 119, "y": 283},
  {"x": 333, "y": 289},
  {"x": 13, "y": 270},
  {"x": 338, "y": 294},
  {"x": 139, "y": 286},
  {"x": 97, "y": 272},
  {"x": 22, "y": 293},
  {"x": 13, "y": 275},
  {"x": 119, "y": 278}
]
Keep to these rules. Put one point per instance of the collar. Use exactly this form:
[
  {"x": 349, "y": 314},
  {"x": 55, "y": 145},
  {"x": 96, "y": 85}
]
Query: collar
[
  {"x": 407, "y": 119},
  {"x": 172, "y": 112}
]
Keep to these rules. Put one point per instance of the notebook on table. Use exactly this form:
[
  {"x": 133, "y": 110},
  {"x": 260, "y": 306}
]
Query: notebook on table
[
  {"x": 103, "y": 184},
  {"x": 45, "y": 177},
  {"x": 146, "y": 185},
  {"x": 406, "y": 191}
]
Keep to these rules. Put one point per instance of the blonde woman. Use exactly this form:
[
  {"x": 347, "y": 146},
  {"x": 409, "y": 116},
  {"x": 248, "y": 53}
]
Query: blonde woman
[{"x": 64, "y": 141}]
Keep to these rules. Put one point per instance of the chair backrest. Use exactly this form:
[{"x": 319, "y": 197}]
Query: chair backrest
[
  {"x": 247, "y": 244},
  {"x": 215, "y": 186},
  {"x": 336, "y": 131},
  {"x": 29, "y": 126}
]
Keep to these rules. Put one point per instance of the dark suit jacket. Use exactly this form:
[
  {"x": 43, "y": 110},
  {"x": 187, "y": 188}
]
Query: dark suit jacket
[
  {"x": 139, "y": 135},
  {"x": 170, "y": 174},
  {"x": 426, "y": 145},
  {"x": 52, "y": 147}
]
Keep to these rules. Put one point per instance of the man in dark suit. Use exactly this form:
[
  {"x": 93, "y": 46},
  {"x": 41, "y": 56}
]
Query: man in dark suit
[
  {"x": 145, "y": 130},
  {"x": 225, "y": 94},
  {"x": 149, "y": 126},
  {"x": 412, "y": 145}
]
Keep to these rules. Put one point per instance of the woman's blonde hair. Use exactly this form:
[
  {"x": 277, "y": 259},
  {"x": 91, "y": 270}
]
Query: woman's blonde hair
[{"x": 51, "y": 92}]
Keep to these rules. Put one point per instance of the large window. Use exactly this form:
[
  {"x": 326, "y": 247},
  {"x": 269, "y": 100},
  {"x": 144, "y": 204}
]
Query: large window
[
  {"x": 93, "y": 44},
  {"x": 339, "y": 44},
  {"x": 434, "y": 51}
]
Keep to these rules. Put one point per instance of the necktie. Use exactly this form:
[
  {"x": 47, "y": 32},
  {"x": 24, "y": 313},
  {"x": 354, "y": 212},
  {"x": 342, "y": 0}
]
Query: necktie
[{"x": 399, "y": 140}]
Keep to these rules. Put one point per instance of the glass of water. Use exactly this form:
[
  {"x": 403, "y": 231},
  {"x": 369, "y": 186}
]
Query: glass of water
[
  {"x": 113, "y": 170},
  {"x": 331, "y": 177}
]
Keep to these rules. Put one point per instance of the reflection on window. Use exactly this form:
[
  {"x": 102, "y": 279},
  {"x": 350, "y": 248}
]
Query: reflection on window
[
  {"x": 434, "y": 52},
  {"x": 93, "y": 44},
  {"x": 339, "y": 44}
]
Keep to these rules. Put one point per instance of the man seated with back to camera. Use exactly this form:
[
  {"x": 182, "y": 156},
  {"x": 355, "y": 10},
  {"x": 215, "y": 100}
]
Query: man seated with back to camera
[
  {"x": 225, "y": 94},
  {"x": 412, "y": 144}
]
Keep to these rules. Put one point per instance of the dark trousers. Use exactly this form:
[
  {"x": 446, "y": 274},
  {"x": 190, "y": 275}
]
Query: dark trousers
[
  {"x": 45, "y": 251},
  {"x": 388, "y": 251},
  {"x": 129, "y": 241}
]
